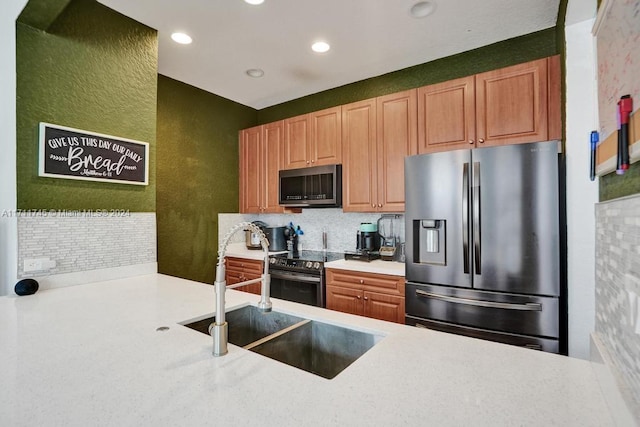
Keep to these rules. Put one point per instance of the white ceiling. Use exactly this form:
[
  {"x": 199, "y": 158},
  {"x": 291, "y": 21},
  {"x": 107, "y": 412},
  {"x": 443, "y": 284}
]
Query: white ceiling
[{"x": 368, "y": 38}]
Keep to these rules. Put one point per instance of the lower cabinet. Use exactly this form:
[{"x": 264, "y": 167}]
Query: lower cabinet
[
  {"x": 366, "y": 294},
  {"x": 241, "y": 269}
]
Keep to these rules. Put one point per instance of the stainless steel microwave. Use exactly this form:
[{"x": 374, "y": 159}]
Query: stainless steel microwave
[{"x": 312, "y": 187}]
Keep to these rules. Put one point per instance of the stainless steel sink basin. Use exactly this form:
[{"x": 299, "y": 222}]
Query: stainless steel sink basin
[
  {"x": 316, "y": 347},
  {"x": 248, "y": 324},
  {"x": 319, "y": 348}
]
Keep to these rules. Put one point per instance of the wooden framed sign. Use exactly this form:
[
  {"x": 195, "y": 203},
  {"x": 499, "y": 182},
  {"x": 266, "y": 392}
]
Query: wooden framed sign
[{"x": 79, "y": 154}]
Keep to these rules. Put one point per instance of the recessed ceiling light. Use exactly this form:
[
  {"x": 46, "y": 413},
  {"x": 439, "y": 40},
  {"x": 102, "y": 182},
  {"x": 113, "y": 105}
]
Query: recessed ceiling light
[
  {"x": 422, "y": 9},
  {"x": 320, "y": 47},
  {"x": 254, "y": 2},
  {"x": 255, "y": 72},
  {"x": 181, "y": 38}
]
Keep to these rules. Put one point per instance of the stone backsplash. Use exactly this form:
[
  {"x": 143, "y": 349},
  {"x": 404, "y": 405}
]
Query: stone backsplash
[
  {"x": 618, "y": 287},
  {"x": 341, "y": 227},
  {"x": 80, "y": 241}
]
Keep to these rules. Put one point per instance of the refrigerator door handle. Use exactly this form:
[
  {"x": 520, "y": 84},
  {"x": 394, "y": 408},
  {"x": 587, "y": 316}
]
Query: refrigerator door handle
[
  {"x": 481, "y": 303},
  {"x": 477, "y": 241},
  {"x": 465, "y": 217}
]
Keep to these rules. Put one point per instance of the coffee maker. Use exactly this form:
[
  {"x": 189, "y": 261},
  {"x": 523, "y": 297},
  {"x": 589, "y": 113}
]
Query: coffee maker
[
  {"x": 367, "y": 243},
  {"x": 368, "y": 239}
]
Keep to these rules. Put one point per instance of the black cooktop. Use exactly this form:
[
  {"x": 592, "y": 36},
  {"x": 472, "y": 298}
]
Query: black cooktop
[{"x": 314, "y": 256}]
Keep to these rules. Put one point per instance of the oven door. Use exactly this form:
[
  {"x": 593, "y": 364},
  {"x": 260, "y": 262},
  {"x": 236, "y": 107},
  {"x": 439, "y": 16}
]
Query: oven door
[{"x": 297, "y": 287}]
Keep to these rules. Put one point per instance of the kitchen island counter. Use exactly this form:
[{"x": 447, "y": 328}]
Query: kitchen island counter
[{"x": 92, "y": 355}]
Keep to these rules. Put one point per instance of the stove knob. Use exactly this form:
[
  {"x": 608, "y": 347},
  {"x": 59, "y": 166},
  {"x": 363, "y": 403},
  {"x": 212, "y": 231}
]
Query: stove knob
[
  {"x": 316, "y": 265},
  {"x": 308, "y": 264},
  {"x": 272, "y": 261}
]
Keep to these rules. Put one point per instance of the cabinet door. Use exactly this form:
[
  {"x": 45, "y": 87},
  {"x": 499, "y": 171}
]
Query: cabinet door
[
  {"x": 554, "y": 97},
  {"x": 384, "y": 307},
  {"x": 272, "y": 142},
  {"x": 446, "y": 115},
  {"x": 397, "y": 137},
  {"x": 326, "y": 136},
  {"x": 511, "y": 104},
  {"x": 251, "y": 170},
  {"x": 344, "y": 299},
  {"x": 297, "y": 133},
  {"x": 359, "y": 178}
]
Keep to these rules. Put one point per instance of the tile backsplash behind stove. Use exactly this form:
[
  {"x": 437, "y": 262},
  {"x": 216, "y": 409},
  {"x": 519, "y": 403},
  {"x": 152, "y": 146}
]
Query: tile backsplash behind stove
[{"x": 341, "y": 227}]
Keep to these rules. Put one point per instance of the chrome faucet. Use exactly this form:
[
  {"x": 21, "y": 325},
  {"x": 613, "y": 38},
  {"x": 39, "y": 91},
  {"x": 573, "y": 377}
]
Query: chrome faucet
[{"x": 219, "y": 329}]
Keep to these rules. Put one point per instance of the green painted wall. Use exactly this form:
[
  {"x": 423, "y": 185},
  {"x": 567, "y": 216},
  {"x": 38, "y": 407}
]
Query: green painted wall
[
  {"x": 94, "y": 70},
  {"x": 613, "y": 186},
  {"x": 502, "y": 54},
  {"x": 197, "y": 175},
  {"x": 41, "y": 14}
]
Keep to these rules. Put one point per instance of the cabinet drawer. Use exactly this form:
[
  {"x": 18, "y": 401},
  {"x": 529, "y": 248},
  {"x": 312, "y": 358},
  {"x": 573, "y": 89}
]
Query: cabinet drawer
[
  {"x": 247, "y": 265},
  {"x": 366, "y": 281}
]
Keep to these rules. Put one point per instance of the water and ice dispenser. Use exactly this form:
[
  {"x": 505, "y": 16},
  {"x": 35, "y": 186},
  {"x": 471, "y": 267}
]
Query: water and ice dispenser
[{"x": 430, "y": 236}]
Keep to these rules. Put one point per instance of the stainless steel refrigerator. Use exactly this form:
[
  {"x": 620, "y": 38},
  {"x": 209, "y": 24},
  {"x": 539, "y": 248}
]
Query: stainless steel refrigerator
[{"x": 485, "y": 243}]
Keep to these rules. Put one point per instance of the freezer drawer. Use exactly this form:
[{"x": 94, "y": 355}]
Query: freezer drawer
[
  {"x": 495, "y": 311},
  {"x": 535, "y": 343}
]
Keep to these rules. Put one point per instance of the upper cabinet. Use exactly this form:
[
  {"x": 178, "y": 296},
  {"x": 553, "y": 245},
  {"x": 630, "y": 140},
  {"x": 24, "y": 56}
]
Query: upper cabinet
[
  {"x": 359, "y": 178},
  {"x": 313, "y": 139},
  {"x": 512, "y": 105},
  {"x": 377, "y": 134},
  {"x": 397, "y": 138},
  {"x": 371, "y": 138},
  {"x": 261, "y": 150}
]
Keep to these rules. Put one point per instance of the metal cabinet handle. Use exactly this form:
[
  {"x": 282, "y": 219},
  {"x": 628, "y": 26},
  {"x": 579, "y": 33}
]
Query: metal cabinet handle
[
  {"x": 379, "y": 205},
  {"x": 471, "y": 141},
  {"x": 481, "y": 140},
  {"x": 465, "y": 217},
  {"x": 307, "y": 161},
  {"x": 366, "y": 298},
  {"x": 312, "y": 161},
  {"x": 529, "y": 306},
  {"x": 358, "y": 296},
  {"x": 361, "y": 280},
  {"x": 477, "y": 238}
]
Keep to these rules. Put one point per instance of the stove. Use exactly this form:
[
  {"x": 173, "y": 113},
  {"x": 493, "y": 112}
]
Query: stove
[
  {"x": 299, "y": 277},
  {"x": 307, "y": 261}
]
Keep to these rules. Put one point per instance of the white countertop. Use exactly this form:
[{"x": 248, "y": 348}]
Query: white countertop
[
  {"x": 91, "y": 355},
  {"x": 377, "y": 266}
]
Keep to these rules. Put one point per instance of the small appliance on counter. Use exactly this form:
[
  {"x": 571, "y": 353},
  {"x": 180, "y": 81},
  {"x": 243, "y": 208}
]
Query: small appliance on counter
[
  {"x": 367, "y": 243},
  {"x": 389, "y": 226},
  {"x": 276, "y": 238},
  {"x": 252, "y": 239}
]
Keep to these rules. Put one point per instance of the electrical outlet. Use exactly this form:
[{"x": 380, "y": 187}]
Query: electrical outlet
[
  {"x": 38, "y": 264},
  {"x": 32, "y": 265}
]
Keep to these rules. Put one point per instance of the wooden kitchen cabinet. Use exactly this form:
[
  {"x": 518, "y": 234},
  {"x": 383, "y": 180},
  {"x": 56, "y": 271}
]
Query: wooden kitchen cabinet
[
  {"x": 377, "y": 135},
  {"x": 261, "y": 150},
  {"x": 241, "y": 269},
  {"x": 511, "y": 105},
  {"x": 313, "y": 139},
  {"x": 366, "y": 294}
]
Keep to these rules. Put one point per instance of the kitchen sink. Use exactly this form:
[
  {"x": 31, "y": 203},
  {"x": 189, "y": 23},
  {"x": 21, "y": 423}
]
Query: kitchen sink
[
  {"x": 316, "y": 347},
  {"x": 319, "y": 348},
  {"x": 248, "y": 324}
]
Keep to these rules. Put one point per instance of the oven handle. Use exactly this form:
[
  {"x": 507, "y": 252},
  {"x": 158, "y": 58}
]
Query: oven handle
[{"x": 285, "y": 275}]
